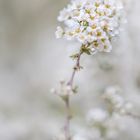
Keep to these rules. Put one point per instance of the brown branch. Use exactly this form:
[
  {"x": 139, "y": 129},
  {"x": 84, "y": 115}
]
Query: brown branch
[
  {"x": 67, "y": 101},
  {"x": 76, "y": 67}
]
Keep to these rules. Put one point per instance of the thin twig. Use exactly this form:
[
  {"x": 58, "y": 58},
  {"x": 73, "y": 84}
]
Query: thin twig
[
  {"x": 76, "y": 67},
  {"x": 68, "y": 118},
  {"x": 133, "y": 115},
  {"x": 67, "y": 101}
]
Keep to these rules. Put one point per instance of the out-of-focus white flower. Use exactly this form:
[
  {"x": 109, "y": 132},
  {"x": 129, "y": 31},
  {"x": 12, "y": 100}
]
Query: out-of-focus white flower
[
  {"x": 59, "y": 33},
  {"x": 112, "y": 134},
  {"x": 117, "y": 102},
  {"x": 60, "y": 136},
  {"x": 78, "y": 137},
  {"x": 112, "y": 96},
  {"x": 96, "y": 116},
  {"x": 92, "y": 22},
  {"x": 127, "y": 108}
]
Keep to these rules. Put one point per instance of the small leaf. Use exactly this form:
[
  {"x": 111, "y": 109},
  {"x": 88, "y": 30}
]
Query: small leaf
[
  {"x": 86, "y": 50},
  {"x": 74, "y": 56},
  {"x": 75, "y": 89}
]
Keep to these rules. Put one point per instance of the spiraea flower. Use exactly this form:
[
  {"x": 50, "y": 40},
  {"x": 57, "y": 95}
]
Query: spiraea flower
[{"x": 93, "y": 23}]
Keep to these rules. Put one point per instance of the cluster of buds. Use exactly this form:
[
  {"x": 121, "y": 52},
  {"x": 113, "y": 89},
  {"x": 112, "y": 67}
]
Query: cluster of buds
[
  {"x": 64, "y": 90},
  {"x": 93, "y": 23}
]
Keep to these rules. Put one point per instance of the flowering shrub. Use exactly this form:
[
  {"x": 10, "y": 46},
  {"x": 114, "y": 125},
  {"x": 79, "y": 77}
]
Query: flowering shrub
[{"x": 93, "y": 23}]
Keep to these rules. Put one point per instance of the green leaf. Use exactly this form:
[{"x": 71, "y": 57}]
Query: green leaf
[{"x": 86, "y": 50}]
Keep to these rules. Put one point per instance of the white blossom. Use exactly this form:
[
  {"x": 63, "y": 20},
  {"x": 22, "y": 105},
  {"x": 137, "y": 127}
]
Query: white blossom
[
  {"x": 59, "y": 32},
  {"x": 96, "y": 116},
  {"x": 116, "y": 101},
  {"x": 93, "y": 22}
]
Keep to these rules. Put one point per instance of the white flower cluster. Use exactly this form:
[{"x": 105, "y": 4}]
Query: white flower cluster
[
  {"x": 108, "y": 121},
  {"x": 96, "y": 116},
  {"x": 92, "y": 22},
  {"x": 117, "y": 102},
  {"x": 101, "y": 121}
]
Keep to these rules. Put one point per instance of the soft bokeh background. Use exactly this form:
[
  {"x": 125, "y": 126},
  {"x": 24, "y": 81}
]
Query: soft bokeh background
[{"x": 32, "y": 62}]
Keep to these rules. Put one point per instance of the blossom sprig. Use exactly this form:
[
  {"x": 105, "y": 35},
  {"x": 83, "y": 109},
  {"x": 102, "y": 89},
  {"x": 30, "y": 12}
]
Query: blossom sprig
[
  {"x": 67, "y": 89},
  {"x": 93, "y": 23}
]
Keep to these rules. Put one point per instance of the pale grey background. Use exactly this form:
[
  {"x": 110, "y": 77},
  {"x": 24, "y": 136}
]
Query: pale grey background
[{"x": 32, "y": 61}]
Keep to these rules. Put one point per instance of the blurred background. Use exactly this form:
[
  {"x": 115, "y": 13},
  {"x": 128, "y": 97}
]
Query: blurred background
[{"x": 32, "y": 62}]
